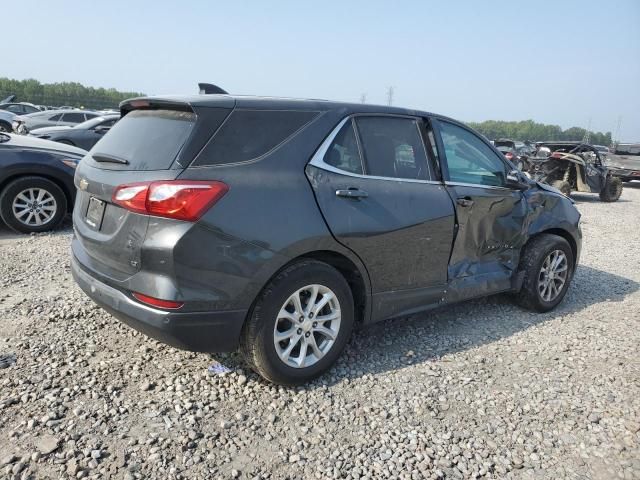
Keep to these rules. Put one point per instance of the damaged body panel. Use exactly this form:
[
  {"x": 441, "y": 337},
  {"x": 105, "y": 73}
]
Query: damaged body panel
[{"x": 456, "y": 235}]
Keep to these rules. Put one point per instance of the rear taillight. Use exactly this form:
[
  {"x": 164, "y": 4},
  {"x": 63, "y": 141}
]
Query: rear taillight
[
  {"x": 156, "y": 302},
  {"x": 179, "y": 199}
]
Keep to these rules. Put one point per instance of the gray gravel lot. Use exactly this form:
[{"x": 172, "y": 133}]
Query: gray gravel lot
[{"x": 483, "y": 389}]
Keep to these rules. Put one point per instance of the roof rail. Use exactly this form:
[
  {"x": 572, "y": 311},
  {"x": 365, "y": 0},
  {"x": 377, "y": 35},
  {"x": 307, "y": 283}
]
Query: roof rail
[{"x": 210, "y": 89}]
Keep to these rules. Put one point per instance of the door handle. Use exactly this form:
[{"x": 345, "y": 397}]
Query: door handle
[
  {"x": 464, "y": 201},
  {"x": 354, "y": 193}
]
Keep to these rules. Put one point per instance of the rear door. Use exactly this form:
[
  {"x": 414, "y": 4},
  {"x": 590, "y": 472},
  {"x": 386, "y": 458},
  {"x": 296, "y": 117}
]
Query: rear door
[
  {"x": 490, "y": 216},
  {"x": 145, "y": 145},
  {"x": 380, "y": 196}
]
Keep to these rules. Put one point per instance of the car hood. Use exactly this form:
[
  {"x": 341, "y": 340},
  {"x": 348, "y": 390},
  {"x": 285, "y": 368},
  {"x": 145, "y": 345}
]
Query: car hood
[
  {"x": 551, "y": 189},
  {"x": 46, "y": 130},
  {"x": 33, "y": 142}
]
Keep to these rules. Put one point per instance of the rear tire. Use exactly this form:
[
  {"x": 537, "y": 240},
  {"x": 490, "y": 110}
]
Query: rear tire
[
  {"x": 612, "y": 189},
  {"x": 5, "y": 127},
  {"x": 563, "y": 186},
  {"x": 270, "y": 320},
  {"x": 537, "y": 257},
  {"x": 49, "y": 211}
]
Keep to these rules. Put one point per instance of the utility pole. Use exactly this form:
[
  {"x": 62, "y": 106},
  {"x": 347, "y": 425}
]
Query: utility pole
[
  {"x": 587, "y": 134},
  {"x": 390, "y": 96},
  {"x": 363, "y": 98},
  {"x": 617, "y": 138}
]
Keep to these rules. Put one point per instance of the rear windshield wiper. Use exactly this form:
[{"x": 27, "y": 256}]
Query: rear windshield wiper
[{"x": 109, "y": 159}]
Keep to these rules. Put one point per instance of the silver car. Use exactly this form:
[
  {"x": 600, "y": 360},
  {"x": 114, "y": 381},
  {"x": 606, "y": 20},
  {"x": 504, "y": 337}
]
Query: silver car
[{"x": 51, "y": 118}]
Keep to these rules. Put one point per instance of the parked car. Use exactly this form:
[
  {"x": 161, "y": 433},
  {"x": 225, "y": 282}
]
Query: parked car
[
  {"x": 19, "y": 108},
  {"x": 6, "y": 121},
  {"x": 84, "y": 135},
  {"x": 624, "y": 162},
  {"x": 51, "y": 118},
  {"x": 212, "y": 221},
  {"x": 574, "y": 166},
  {"x": 36, "y": 182}
]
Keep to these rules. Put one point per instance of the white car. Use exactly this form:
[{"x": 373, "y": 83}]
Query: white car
[{"x": 6, "y": 121}]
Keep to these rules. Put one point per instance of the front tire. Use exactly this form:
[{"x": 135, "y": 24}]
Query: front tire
[
  {"x": 548, "y": 266},
  {"x": 5, "y": 127},
  {"x": 32, "y": 204},
  {"x": 612, "y": 189},
  {"x": 300, "y": 323}
]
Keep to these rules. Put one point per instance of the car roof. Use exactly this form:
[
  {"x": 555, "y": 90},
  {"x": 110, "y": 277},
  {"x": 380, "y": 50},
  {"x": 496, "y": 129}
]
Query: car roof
[{"x": 263, "y": 102}]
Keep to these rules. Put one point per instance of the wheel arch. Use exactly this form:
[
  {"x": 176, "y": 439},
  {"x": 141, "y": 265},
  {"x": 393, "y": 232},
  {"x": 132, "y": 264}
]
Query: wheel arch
[
  {"x": 356, "y": 276},
  {"x": 561, "y": 233}
]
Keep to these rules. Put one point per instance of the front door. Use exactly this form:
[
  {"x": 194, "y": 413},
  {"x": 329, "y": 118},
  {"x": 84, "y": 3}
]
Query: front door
[
  {"x": 376, "y": 189},
  {"x": 491, "y": 218}
]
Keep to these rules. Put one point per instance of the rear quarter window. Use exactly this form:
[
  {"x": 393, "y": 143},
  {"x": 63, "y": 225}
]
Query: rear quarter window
[
  {"x": 146, "y": 139},
  {"x": 250, "y": 134}
]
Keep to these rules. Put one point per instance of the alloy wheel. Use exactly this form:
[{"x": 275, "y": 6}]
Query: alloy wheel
[
  {"x": 34, "y": 207},
  {"x": 307, "y": 326},
  {"x": 553, "y": 275}
]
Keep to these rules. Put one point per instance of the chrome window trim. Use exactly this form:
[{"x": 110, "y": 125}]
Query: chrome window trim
[
  {"x": 318, "y": 158},
  {"x": 477, "y": 185}
]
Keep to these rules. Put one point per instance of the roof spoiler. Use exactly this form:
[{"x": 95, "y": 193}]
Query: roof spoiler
[{"x": 210, "y": 89}]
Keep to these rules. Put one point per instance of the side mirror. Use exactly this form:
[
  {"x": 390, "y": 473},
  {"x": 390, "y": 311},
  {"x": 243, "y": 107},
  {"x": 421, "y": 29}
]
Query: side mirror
[{"x": 515, "y": 180}]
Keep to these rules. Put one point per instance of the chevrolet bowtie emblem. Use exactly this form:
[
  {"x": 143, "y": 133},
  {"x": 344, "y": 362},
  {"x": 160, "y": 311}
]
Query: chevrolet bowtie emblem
[{"x": 83, "y": 184}]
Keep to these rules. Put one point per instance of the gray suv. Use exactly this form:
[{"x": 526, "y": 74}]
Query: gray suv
[{"x": 214, "y": 222}]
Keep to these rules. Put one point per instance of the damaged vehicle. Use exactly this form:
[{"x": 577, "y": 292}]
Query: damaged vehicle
[
  {"x": 214, "y": 222},
  {"x": 574, "y": 166}
]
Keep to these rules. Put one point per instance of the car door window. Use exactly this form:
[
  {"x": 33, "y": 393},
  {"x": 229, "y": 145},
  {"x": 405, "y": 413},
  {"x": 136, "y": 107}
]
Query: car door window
[
  {"x": 343, "y": 152},
  {"x": 469, "y": 159},
  {"x": 89, "y": 116},
  {"x": 393, "y": 147},
  {"x": 73, "y": 117},
  {"x": 55, "y": 118}
]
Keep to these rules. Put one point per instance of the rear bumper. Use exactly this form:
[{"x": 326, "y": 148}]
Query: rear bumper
[{"x": 195, "y": 331}]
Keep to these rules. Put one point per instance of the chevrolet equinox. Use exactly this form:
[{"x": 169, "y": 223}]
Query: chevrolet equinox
[{"x": 215, "y": 222}]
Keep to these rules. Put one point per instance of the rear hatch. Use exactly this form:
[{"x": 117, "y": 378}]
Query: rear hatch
[{"x": 156, "y": 139}]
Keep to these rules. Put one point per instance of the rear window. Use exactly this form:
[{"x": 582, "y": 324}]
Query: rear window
[
  {"x": 147, "y": 139},
  {"x": 249, "y": 134}
]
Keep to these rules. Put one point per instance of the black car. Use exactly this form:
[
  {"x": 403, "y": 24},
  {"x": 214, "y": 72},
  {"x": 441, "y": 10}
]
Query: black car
[
  {"x": 215, "y": 221},
  {"x": 84, "y": 135},
  {"x": 36, "y": 182}
]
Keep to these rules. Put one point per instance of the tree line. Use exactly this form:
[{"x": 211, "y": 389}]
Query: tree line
[
  {"x": 71, "y": 94},
  {"x": 534, "y": 132},
  {"x": 75, "y": 94}
]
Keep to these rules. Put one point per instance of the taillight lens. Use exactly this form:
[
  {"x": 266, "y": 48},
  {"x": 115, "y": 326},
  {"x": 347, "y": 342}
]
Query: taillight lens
[
  {"x": 180, "y": 199},
  {"x": 156, "y": 302}
]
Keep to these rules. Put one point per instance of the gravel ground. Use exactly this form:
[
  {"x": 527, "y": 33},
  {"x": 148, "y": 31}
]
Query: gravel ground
[{"x": 483, "y": 389}]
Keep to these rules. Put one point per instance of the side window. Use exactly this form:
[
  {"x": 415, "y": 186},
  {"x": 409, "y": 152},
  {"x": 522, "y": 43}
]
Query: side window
[
  {"x": 249, "y": 134},
  {"x": 469, "y": 159},
  {"x": 393, "y": 147},
  {"x": 343, "y": 152},
  {"x": 89, "y": 116},
  {"x": 73, "y": 117},
  {"x": 55, "y": 118}
]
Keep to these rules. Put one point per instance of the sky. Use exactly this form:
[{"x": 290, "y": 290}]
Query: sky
[{"x": 569, "y": 63}]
